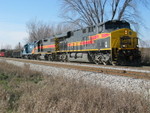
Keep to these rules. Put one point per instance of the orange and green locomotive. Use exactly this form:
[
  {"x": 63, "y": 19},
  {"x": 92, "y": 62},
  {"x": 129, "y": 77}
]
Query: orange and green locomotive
[{"x": 111, "y": 42}]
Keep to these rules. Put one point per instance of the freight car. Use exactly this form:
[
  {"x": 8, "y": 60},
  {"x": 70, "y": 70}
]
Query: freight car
[
  {"x": 2, "y": 53},
  {"x": 5, "y": 53},
  {"x": 11, "y": 53},
  {"x": 111, "y": 42},
  {"x": 17, "y": 53},
  {"x": 8, "y": 53}
]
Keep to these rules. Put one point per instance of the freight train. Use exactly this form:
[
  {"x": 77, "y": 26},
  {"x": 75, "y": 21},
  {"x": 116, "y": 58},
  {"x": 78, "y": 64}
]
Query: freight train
[
  {"x": 17, "y": 53},
  {"x": 111, "y": 42}
]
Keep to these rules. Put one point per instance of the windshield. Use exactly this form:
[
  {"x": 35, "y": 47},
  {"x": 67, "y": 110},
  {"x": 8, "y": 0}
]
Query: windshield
[{"x": 116, "y": 25}]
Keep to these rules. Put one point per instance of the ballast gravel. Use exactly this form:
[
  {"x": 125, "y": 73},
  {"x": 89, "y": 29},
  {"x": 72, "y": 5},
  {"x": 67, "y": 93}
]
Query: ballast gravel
[
  {"x": 108, "y": 67},
  {"x": 118, "y": 83}
]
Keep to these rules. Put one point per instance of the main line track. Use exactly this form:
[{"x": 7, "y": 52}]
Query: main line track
[{"x": 115, "y": 71}]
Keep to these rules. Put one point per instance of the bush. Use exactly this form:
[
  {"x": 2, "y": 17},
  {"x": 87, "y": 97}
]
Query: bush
[{"x": 145, "y": 52}]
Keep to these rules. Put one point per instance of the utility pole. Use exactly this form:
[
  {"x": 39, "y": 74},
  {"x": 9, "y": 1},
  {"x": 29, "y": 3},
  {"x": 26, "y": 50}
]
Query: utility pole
[{"x": 19, "y": 45}]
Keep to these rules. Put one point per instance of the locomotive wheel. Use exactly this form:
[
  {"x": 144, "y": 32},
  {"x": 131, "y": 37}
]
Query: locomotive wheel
[
  {"x": 49, "y": 58},
  {"x": 105, "y": 59},
  {"x": 64, "y": 58},
  {"x": 113, "y": 63},
  {"x": 96, "y": 59},
  {"x": 105, "y": 63},
  {"x": 96, "y": 62},
  {"x": 37, "y": 57},
  {"x": 122, "y": 62}
]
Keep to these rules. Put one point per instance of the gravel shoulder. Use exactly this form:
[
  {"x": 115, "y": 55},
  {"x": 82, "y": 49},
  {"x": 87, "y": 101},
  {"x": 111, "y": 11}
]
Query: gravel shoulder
[{"x": 118, "y": 83}]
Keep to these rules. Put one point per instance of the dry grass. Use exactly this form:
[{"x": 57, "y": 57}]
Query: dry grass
[
  {"x": 26, "y": 91},
  {"x": 145, "y": 52}
]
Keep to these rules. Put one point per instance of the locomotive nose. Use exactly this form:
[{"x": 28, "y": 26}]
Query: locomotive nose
[{"x": 125, "y": 42}]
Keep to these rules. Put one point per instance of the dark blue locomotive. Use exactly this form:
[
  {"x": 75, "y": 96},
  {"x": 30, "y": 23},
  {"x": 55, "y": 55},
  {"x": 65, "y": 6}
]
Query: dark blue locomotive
[{"x": 28, "y": 50}]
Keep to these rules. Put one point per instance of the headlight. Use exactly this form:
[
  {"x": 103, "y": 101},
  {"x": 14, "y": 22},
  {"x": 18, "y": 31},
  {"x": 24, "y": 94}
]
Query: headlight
[
  {"x": 125, "y": 32},
  {"x": 123, "y": 45}
]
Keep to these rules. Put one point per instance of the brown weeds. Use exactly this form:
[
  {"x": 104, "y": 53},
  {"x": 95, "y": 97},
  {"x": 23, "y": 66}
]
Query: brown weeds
[
  {"x": 25, "y": 91},
  {"x": 145, "y": 53}
]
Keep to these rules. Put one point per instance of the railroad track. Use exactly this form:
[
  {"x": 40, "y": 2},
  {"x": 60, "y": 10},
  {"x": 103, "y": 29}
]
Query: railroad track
[{"x": 139, "y": 73}]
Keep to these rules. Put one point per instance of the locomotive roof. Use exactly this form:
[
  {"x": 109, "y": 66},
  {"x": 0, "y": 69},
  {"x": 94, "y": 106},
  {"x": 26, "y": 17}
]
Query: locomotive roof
[
  {"x": 61, "y": 35},
  {"x": 67, "y": 34},
  {"x": 109, "y": 21},
  {"x": 113, "y": 21}
]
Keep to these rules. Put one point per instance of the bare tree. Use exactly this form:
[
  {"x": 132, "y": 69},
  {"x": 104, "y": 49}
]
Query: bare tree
[
  {"x": 85, "y": 12},
  {"x": 114, "y": 5},
  {"x": 62, "y": 27},
  {"x": 7, "y": 47},
  {"x": 18, "y": 46},
  {"x": 38, "y": 30},
  {"x": 91, "y": 12}
]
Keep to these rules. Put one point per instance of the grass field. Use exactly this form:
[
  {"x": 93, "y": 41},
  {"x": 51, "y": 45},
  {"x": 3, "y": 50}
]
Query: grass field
[{"x": 25, "y": 91}]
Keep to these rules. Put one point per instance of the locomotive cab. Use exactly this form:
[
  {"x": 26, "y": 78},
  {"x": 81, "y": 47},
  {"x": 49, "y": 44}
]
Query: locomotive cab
[
  {"x": 27, "y": 50},
  {"x": 124, "y": 44}
]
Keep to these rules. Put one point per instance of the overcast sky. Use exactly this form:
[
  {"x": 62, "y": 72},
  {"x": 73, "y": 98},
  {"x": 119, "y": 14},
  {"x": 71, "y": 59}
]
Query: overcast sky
[{"x": 14, "y": 14}]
